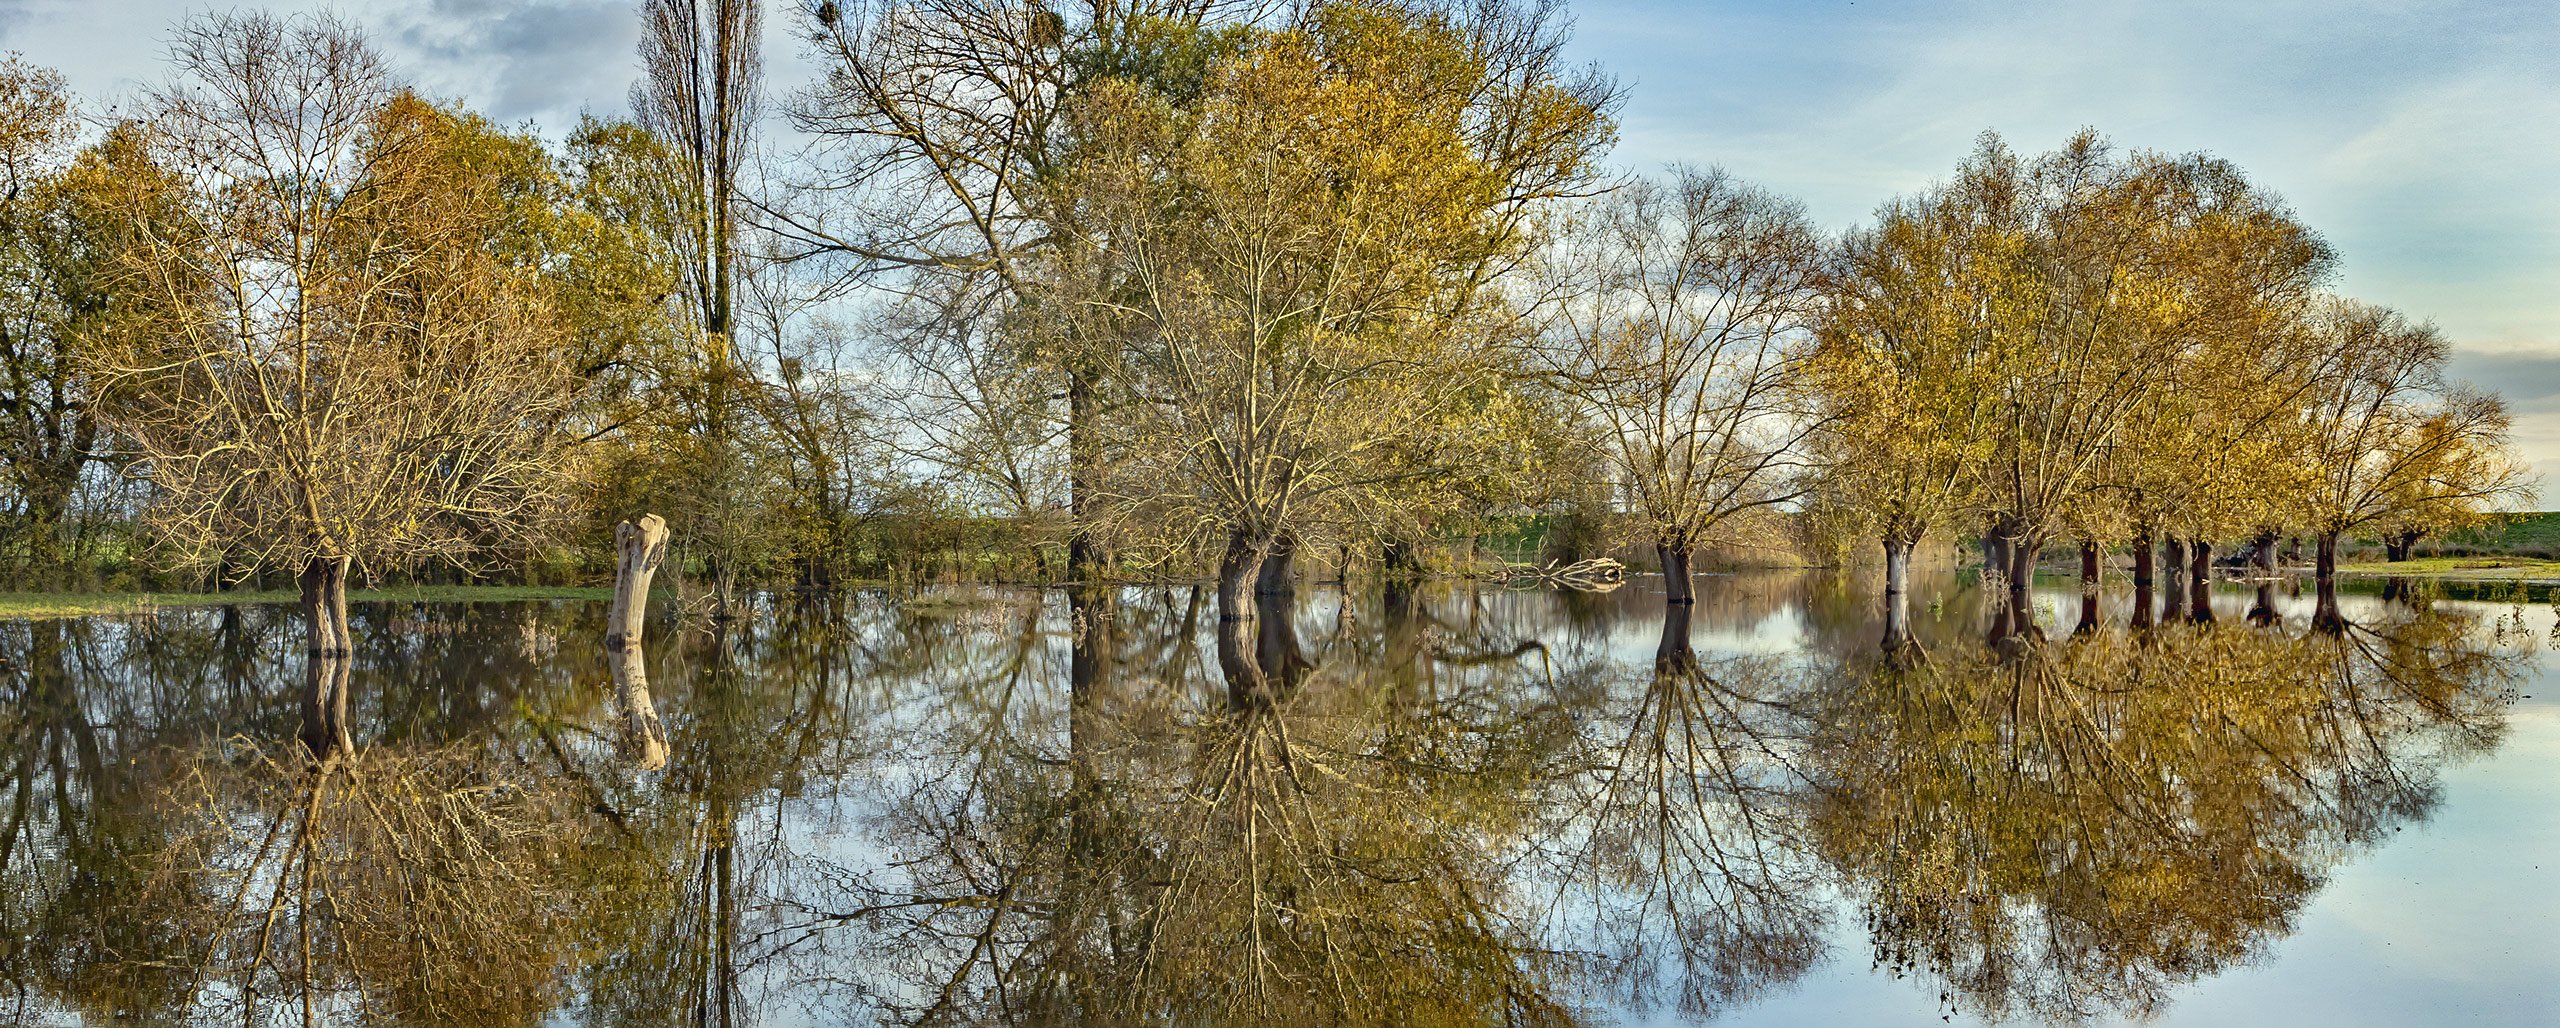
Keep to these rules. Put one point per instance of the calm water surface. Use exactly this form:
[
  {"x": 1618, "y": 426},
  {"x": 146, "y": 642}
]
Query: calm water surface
[{"x": 1461, "y": 806}]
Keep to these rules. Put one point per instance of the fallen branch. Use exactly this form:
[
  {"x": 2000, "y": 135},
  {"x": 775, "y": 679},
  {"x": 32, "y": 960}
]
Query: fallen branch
[{"x": 1595, "y": 575}]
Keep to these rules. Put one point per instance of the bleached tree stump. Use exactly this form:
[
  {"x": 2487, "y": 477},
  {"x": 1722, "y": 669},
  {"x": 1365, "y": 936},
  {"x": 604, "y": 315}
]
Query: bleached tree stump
[{"x": 642, "y": 545}]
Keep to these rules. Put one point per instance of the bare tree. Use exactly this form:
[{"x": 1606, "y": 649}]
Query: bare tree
[
  {"x": 347, "y": 378},
  {"x": 699, "y": 90},
  {"x": 1682, "y": 331},
  {"x": 943, "y": 122},
  {"x": 2389, "y": 442}
]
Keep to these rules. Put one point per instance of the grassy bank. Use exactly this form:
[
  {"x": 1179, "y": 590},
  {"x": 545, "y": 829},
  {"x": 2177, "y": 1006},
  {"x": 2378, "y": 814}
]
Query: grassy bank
[
  {"x": 2532, "y": 534},
  {"x": 2472, "y": 569},
  {"x": 25, "y": 606}
]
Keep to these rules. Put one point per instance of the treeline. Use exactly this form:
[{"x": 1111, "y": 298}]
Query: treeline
[{"x": 1130, "y": 290}]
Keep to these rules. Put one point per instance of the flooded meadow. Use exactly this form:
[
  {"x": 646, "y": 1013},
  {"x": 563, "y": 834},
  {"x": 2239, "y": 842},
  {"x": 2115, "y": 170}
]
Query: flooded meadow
[{"x": 1450, "y": 805}]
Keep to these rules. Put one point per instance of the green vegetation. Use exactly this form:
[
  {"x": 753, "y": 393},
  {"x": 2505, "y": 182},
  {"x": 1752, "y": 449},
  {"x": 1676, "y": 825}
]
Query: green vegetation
[{"x": 2523, "y": 534}]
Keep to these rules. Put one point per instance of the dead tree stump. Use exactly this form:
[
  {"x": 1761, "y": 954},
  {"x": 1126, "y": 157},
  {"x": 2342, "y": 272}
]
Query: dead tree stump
[{"x": 642, "y": 546}]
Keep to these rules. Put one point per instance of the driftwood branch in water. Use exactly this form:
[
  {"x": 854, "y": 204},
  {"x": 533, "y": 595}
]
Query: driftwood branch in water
[{"x": 1595, "y": 575}]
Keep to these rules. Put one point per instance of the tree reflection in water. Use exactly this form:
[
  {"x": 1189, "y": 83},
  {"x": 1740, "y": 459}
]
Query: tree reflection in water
[
  {"x": 1104, "y": 806},
  {"x": 1680, "y": 857},
  {"x": 2067, "y": 833},
  {"x": 1255, "y": 847}
]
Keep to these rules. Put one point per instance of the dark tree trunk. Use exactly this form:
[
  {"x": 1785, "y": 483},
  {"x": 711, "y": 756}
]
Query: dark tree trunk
[
  {"x": 1093, "y": 643},
  {"x": 1239, "y": 662},
  {"x": 1279, "y": 575},
  {"x": 2143, "y": 580},
  {"x": 1283, "y": 661},
  {"x": 2263, "y": 553},
  {"x": 2200, "y": 582},
  {"x": 1677, "y": 587},
  {"x": 2325, "y": 615},
  {"x": 2023, "y": 551},
  {"x": 1397, "y": 560},
  {"x": 2089, "y": 587},
  {"x": 1897, "y": 593},
  {"x": 1674, "y": 653},
  {"x": 2173, "y": 566},
  {"x": 2263, "y": 611},
  {"x": 1238, "y": 568},
  {"x": 47, "y": 500},
  {"x": 2400, "y": 546},
  {"x": 330, "y": 649},
  {"x": 1998, "y": 541},
  {"x": 1084, "y": 455}
]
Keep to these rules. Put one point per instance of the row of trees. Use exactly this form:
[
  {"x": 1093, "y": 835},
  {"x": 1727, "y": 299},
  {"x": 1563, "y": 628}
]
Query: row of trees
[
  {"x": 1154, "y": 286},
  {"x": 2129, "y": 348}
]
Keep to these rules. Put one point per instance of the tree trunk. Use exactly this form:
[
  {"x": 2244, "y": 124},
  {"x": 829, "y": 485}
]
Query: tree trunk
[
  {"x": 1084, "y": 561},
  {"x": 1674, "y": 653},
  {"x": 2325, "y": 571},
  {"x": 2200, "y": 582},
  {"x": 330, "y": 652},
  {"x": 1237, "y": 570},
  {"x": 2089, "y": 586},
  {"x": 1995, "y": 551},
  {"x": 2141, "y": 604},
  {"x": 2263, "y": 611},
  {"x": 1278, "y": 576},
  {"x": 2402, "y": 545},
  {"x": 2023, "y": 551},
  {"x": 1238, "y": 662},
  {"x": 2173, "y": 566},
  {"x": 2264, "y": 553},
  {"x": 1093, "y": 641},
  {"x": 642, "y": 546},
  {"x": 1397, "y": 560},
  {"x": 1677, "y": 587},
  {"x": 1897, "y": 593},
  {"x": 2143, "y": 555},
  {"x": 47, "y": 500},
  {"x": 1283, "y": 661}
]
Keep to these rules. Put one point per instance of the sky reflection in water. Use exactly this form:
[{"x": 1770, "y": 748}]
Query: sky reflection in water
[{"x": 1456, "y": 807}]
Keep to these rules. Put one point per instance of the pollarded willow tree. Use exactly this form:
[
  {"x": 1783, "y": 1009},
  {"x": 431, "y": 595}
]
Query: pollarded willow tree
[
  {"x": 2210, "y": 454},
  {"x": 2389, "y": 441},
  {"x": 1285, "y": 275},
  {"x": 1905, "y": 439},
  {"x": 352, "y": 373},
  {"x": 1682, "y": 329}
]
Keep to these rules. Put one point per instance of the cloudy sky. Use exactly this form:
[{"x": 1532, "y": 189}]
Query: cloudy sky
[{"x": 2421, "y": 136}]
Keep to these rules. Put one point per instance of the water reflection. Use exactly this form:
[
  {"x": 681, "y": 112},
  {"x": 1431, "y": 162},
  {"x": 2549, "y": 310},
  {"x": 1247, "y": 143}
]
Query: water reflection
[
  {"x": 2069, "y": 833},
  {"x": 1106, "y": 806}
]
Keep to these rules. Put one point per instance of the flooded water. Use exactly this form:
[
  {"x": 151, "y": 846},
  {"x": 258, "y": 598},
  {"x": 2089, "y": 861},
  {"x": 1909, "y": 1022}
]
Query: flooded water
[{"x": 1462, "y": 806}]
